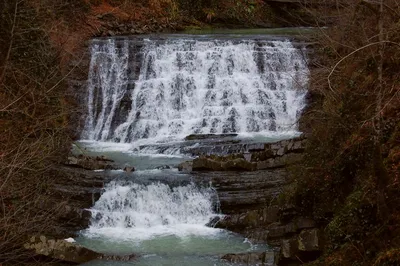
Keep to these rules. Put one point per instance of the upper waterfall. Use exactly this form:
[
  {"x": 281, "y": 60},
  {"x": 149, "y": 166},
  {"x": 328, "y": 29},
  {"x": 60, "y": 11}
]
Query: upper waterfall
[{"x": 168, "y": 89}]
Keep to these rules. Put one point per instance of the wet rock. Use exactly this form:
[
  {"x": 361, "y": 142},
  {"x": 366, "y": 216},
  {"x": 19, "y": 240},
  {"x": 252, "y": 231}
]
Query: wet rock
[
  {"x": 90, "y": 163},
  {"x": 186, "y": 166},
  {"x": 248, "y": 157},
  {"x": 209, "y": 136},
  {"x": 163, "y": 167},
  {"x": 206, "y": 164},
  {"x": 68, "y": 251},
  {"x": 129, "y": 169},
  {"x": 117, "y": 258},
  {"x": 213, "y": 221},
  {"x": 251, "y": 258}
]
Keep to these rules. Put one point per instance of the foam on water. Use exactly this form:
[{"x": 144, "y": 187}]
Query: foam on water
[{"x": 139, "y": 212}]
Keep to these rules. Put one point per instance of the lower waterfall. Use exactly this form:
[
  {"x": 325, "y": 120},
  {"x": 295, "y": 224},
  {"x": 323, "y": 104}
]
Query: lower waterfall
[{"x": 137, "y": 211}]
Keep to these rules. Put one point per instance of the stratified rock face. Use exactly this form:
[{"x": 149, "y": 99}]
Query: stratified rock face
[
  {"x": 208, "y": 164},
  {"x": 244, "y": 191},
  {"x": 256, "y": 157},
  {"x": 74, "y": 191},
  {"x": 278, "y": 230}
]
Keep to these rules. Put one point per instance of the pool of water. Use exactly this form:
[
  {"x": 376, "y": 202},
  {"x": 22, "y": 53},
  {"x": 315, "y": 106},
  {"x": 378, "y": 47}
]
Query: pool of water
[{"x": 171, "y": 249}]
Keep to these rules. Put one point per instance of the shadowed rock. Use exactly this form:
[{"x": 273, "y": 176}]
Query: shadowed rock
[
  {"x": 251, "y": 258},
  {"x": 209, "y": 136}
]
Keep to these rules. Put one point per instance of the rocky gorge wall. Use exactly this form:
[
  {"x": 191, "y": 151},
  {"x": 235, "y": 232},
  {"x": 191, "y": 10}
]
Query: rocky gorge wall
[{"x": 249, "y": 186}]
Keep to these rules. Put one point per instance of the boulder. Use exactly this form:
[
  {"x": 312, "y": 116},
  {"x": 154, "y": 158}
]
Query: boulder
[
  {"x": 251, "y": 223},
  {"x": 206, "y": 164},
  {"x": 90, "y": 163},
  {"x": 186, "y": 166},
  {"x": 129, "y": 169},
  {"x": 213, "y": 221},
  {"x": 61, "y": 250},
  {"x": 68, "y": 251},
  {"x": 310, "y": 240},
  {"x": 289, "y": 248},
  {"x": 301, "y": 248},
  {"x": 163, "y": 167}
]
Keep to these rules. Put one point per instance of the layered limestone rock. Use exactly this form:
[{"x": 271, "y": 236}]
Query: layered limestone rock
[
  {"x": 255, "y": 157},
  {"x": 239, "y": 191},
  {"x": 74, "y": 191},
  {"x": 297, "y": 237}
]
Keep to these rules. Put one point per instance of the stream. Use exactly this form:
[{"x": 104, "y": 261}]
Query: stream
[{"x": 145, "y": 96}]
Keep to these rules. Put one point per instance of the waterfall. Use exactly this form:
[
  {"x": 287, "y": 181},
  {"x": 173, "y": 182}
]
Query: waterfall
[
  {"x": 167, "y": 89},
  {"x": 145, "y": 211}
]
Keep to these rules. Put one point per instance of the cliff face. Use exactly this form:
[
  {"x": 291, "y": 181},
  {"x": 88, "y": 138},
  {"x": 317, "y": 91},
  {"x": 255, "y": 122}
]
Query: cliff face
[{"x": 349, "y": 175}]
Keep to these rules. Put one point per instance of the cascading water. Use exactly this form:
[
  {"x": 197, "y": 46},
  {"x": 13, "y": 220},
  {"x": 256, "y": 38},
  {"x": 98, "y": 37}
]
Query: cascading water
[
  {"x": 168, "y": 89},
  {"x": 139, "y": 212},
  {"x": 158, "y": 91}
]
